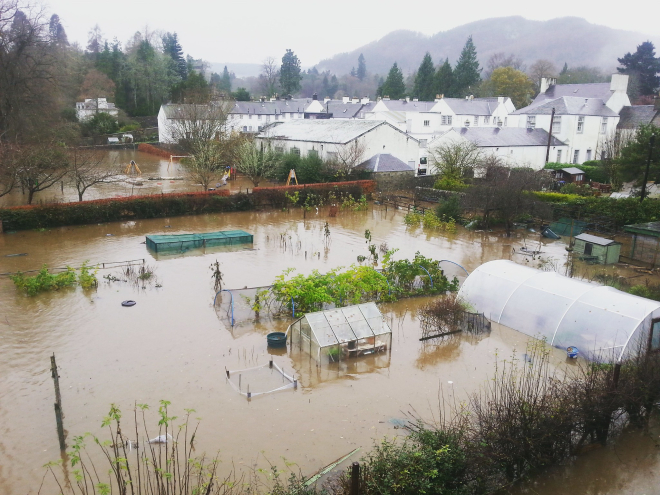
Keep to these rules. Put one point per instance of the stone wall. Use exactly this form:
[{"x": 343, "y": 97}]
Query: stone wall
[{"x": 394, "y": 181}]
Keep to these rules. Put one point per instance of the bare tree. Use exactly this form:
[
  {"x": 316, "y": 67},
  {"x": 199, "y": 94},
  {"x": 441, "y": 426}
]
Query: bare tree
[
  {"x": 348, "y": 156},
  {"x": 456, "y": 159},
  {"x": 609, "y": 151},
  {"x": 501, "y": 59},
  {"x": 270, "y": 74},
  {"x": 27, "y": 66},
  {"x": 540, "y": 69},
  {"x": 39, "y": 167},
  {"x": 257, "y": 162},
  {"x": 7, "y": 168},
  {"x": 88, "y": 168}
]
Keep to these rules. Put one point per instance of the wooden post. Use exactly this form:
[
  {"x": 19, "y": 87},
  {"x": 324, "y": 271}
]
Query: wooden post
[
  {"x": 56, "y": 380},
  {"x": 355, "y": 478},
  {"x": 60, "y": 426}
]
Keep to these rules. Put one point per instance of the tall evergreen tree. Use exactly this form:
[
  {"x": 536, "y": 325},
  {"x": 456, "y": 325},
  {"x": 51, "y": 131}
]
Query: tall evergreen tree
[
  {"x": 56, "y": 31},
  {"x": 362, "y": 67},
  {"x": 290, "y": 73},
  {"x": 424, "y": 87},
  {"x": 467, "y": 70},
  {"x": 172, "y": 48},
  {"x": 564, "y": 69},
  {"x": 225, "y": 82},
  {"x": 444, "y": 79},
  {"x": 393, "y": 86},
  {"x": 644, "y": 66}
]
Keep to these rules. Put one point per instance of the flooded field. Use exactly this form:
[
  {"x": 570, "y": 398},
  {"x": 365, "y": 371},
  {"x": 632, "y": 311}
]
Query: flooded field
[
  {"x": 174, "y": 345},
  {"x": 150, "y": 166}
]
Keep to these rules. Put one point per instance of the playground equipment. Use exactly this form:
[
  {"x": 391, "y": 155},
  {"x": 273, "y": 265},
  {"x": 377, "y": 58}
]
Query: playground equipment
[{"x": 132, "y": 169}]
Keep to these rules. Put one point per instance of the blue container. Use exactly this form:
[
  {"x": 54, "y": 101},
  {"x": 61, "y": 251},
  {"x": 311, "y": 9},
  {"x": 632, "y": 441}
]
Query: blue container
[
  {"x": 572, "y": 352},
  {"x": 276, "y": 339}
]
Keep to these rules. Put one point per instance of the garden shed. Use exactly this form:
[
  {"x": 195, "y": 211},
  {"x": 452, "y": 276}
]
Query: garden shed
[
  {"x": 597, "y": 249},
  {"x": 645, "y": 242},
  {"x": 605, "y": 324},
  {"x": 338, "y": 334}
]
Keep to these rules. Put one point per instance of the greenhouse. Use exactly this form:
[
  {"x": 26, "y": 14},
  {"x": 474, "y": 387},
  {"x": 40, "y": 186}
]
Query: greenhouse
[
  {"x": 605, "y": 324},
  {"x": 342, "y": 333}
]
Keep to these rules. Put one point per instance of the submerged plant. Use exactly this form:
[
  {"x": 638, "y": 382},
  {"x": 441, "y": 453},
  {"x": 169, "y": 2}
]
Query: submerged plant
[{"x": 45, "y": 281}]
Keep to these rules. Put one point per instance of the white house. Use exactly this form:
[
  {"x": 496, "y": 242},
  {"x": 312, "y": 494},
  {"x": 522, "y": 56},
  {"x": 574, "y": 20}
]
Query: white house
[
  {"x": 85, "y": 110},
  {"x": 517, "y": 147},
  {"x": 585, "y": 115},
  {"x": 331, "y": 138}
]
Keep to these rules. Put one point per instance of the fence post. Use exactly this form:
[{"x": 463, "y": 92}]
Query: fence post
[
  {"x": 56, "y": 379},
  {"x": 58, "y": 403},
  {"x": 355, "y": 478},
  {"x": 60, "y": 426}
]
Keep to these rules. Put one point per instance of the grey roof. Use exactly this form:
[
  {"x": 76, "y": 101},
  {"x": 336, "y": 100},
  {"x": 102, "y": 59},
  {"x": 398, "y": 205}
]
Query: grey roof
[
  {"x": 476, "y": 106},
  {"x": 506, "y": 136},
  {"x": 341, "y": 110},
  {"x": 322, "y": 131},
  {"x": 634, "y": 116},
  {"x": 593, "y": 90},
  {"x": 295, "y": 105},
  {"x": 651, "y": 228},
  {"x": 384, "y": 162},
  {"x": 569, "y": 105},
  {"x": 408, "y": 106},
  {"x": 592, "y": 239},
  {"x": 572, "y": 170}
]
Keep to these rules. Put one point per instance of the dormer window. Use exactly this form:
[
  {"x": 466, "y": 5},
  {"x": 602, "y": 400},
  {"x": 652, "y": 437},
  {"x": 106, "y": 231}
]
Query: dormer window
[
  {"x": 531, "y": 122},
  {"x": 580, "y": 125}
]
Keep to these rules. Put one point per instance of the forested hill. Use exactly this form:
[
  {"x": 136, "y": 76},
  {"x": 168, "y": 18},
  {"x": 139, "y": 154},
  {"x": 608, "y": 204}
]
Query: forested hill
[{"x": 568, "y": 39}]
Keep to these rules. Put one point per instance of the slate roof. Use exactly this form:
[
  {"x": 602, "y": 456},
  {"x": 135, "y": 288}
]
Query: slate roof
[
  {"x": 295, "y": 105},
  {"x": 634, "y": 116},
  {"x": 569, "y": 105},
  {"x": 506, "y": 136},
  {"x": 322, "y": 131},
  {"x": 572, "y": 170},
  {"x": 476, "y": 106},
  {"x": 341, "y": 110},
  {"x": 384, "y": 162},
  {"x": 593, "y": 239},
  {"x": 593, "y": 90}
]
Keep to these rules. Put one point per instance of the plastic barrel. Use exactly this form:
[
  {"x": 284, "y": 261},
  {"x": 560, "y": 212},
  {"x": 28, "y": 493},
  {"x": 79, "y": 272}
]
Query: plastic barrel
[
  {"x": 572, "y": 352},
  {"x": 276, "y": 339}
]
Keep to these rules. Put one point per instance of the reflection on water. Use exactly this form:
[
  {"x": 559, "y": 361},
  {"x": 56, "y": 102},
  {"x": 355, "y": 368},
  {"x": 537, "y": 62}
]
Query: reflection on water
[{"x": 175, "y": 345}]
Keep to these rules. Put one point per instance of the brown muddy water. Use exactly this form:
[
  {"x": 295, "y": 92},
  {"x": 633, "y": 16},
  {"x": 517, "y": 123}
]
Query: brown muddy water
[
  {"x": 150, "y": 166},
  {"x": 174, "y": 345}
]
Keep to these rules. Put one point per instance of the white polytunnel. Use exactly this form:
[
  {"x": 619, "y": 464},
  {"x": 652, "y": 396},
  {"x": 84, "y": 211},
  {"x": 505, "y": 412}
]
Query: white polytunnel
[{"x": 604, "y": 323}]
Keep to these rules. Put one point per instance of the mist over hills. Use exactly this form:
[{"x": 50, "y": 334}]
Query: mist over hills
[{"x": 568, "y": 39}]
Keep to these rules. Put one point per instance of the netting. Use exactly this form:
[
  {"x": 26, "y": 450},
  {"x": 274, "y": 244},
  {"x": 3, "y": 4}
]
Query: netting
[
  {"x": 185, "y": 242},
  {"x": 260, "y": 380},
  {"x": 240, "y": 306}
]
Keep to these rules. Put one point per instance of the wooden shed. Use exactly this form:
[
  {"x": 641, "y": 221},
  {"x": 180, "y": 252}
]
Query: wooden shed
[
  {"x": 569, "y": 175},
  {"x": 597, "y": 249},
  {"x": 645, "y": 243}
]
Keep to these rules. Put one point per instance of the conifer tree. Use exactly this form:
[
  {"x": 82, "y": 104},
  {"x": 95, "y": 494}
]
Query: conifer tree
[
  {"x": 172, "y": 48},
  {"x": 644, "y": 66},
  {"x": 290, "y": 73},
  {"x": 225, "y": 82},
  {"x": 467, "y": 70},
  {"x": 424, "y": 87},
  {"x": 393, "y": 86},
  {"x": 444, "y": 79},
  {"x": 362, "y": 67}
]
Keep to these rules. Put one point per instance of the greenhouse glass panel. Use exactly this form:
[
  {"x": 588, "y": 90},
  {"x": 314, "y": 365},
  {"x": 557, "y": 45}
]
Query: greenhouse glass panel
[
  {"x": 339, "y": 325},
  {"x": 356, "y": 320},
  {"x": 321, "y": 329}
]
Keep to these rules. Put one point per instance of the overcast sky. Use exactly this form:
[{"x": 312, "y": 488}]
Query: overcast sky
[{"x": 238, "y": 31}]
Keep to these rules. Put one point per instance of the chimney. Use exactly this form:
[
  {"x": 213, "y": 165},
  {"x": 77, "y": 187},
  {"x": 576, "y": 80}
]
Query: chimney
[
  {"x": 415, "y": 99},
  {"x": 315, "y": 96},
  {"x": 619, "y": 83},
  {"x": 378, "y": 99},
  {"x": 345, "y": 99},
  {"x": 545, "y": 84},
  {"x": 500, "y": 100},
  {"x": 586, "y": 100},
  {"x": 365, "y": 99},
  {"x": 386, "y": 98},
  {"x": 326, "y": 99},
  {"x": 356, "y": 99},
  {"x": 407, "y": 99}
]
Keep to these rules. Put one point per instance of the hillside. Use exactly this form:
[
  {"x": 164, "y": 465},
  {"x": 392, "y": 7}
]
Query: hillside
[{"x": 568, "y": 39}]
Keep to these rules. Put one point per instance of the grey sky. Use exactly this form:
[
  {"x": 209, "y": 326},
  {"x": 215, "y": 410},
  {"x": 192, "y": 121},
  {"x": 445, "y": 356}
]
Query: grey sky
[{"x": 250, "y": 31}]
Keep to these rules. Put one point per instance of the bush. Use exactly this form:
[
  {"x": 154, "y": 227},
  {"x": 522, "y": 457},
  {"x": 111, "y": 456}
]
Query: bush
[
  {"x": 133, "y": 126},
  {"x": 99, "y": 124},
  {"x": 115, "y": 209},
  {"x": 450, "y": 183},
  {"x": 450, "y": 208},
  {"x": 329, "y": 191}
]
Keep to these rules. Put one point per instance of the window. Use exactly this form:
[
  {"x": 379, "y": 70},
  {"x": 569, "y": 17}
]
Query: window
[
  {"x": 422, "y": 143},
  {"x": 654, "y": 337},
  {"x": 279, "y": 149},
  {"x": 466, "y": 123},
  {"x": 603, "y": 125},
  {"x": 476, "y": 120},
  {"x": 559, "y": 158},
  {"x": 423, "y": 160},
  {"x": 332, "y": 156},
  {"x": 576, "y": 156},
  {"x": 295, "y": 151},
  {"x": 506, "y": 120},
  {"x": 588, "y": 157},
  {"x": 531, "y": 122},
  {"x": 258, "y": 117},
  {"x": 588, "y": 248},
  {"x": 499, "y": 122},
  {"x": 260, "y": 128},
  {"x": 249, "y": 116},
  {"x": 556, "y": 125},
  {"x": 446, "y": 119},
  {"x": 244, "y": 128},
  {"x": 487, "y": 120},
  {"x": 580, "y": 127},
  {"x": 427, "y": 123},
  {"x": 313, "y": 153}
]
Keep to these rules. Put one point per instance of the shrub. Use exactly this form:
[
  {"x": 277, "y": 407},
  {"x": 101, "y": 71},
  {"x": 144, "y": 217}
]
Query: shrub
[
  {"x": 450, "y": 208},
  {"x": 277, "y": 195},
  {"x": 114, "y": 209},
  {"x": 450, "y": 183},
  {"x": 44, "y": 281}
]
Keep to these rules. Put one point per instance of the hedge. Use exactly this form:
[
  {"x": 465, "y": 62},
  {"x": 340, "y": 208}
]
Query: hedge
[
  {"x": 117, "y": 209},
  {"x": 624, "y": 211},
  {"x": 276, "y": 196},
  {"x": 153, "y": 150},
  {"x": 592, "y": 169}
]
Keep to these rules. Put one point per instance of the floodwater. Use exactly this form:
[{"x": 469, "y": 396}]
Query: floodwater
[
  {"x": 174, "y": 345},
  {"x": 150, "y": 165}
]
